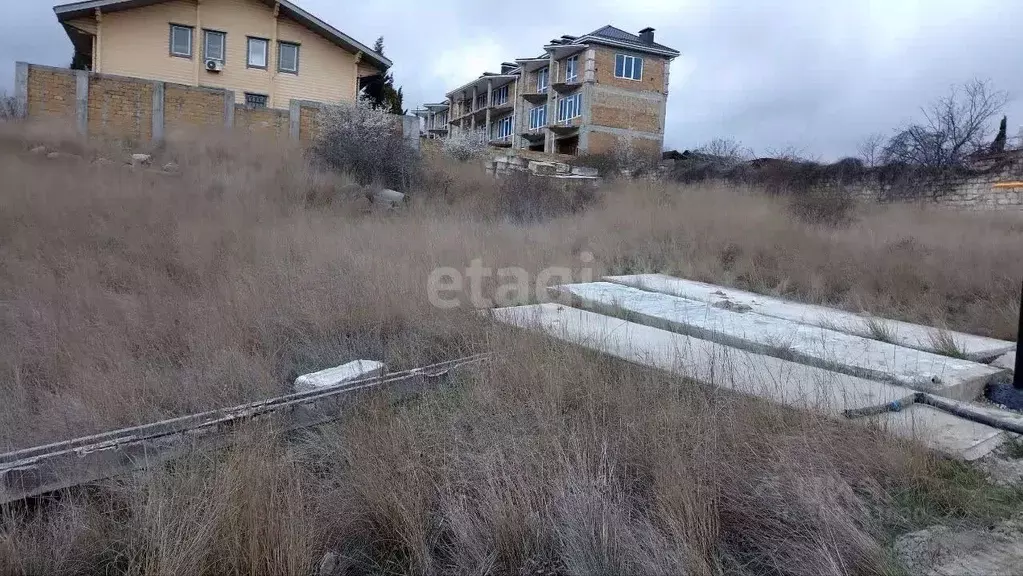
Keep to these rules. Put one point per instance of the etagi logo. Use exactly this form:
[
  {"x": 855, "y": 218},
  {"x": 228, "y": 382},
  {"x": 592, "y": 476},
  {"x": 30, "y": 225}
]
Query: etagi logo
[{"x": 447, "y": 286}]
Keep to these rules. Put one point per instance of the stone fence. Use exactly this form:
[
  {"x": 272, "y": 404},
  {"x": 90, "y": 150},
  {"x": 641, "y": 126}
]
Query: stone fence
[{"x": 139, "y": 110}]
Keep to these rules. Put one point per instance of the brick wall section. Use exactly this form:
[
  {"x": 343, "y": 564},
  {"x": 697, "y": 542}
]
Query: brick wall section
[
  {"x": 262, "y": 121},
  {"x": 308, "y": 123},
  {"x": 602, "y": 143},
  {"x": 621, "y": 111},
  {"x": 51, "y": 94},
  {"x": 188, "y": 108},
  {"x": 120, "y": 108},
  {"x": 653, "y": 70}
]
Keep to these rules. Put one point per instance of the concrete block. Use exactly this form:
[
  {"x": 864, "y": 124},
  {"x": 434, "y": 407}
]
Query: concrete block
[
  {"x": 941, "y": 431},
  {"x": 339, "y": 375},
  {"x": 772, "y": 379},
  {"x": 229, "y": 108},
  {"x": 977, "y": 348},
  {"x": 82, "y": 101},
  {"x": 21, "y": 89},
  {"x": 562, "y": 169},
  {"x": 1008, "y": 361},
  {"x": 851, "y": 354},
  {"x": 159, "y": 89},
  {"x": 585, "y": 171},
  {"x": 542, "y": 168},
  {"x": 295, "y": 119}
]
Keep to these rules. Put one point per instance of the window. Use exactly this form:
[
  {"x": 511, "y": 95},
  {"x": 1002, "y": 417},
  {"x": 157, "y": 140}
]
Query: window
[
  {"x": 502, "y": 129},
  {"x": 538, "y": 117},
  {"x": 213, "y": 45},
  {"x": 570, "y": 107},
  {"x": 543, "y": 77},
  {"x": 572, "y": 69},
  {"x": 481, "y": 101},
  {"x": 181, "y": 41},
  {"x": 500, "y": 96},
  {"x": 255, "y": 100},
  {"x": 628, "y": 67},
  {"x": 287, "y": 57},
  {"x": 257, "y": 53}
]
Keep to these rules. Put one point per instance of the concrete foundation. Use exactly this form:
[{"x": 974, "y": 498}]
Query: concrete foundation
[
  {"x": 1007, "y": 361},
  {"x": 804, "y": 343},
  {"x": 773, "y": 379},
  {"x": 977, "y": 348}
]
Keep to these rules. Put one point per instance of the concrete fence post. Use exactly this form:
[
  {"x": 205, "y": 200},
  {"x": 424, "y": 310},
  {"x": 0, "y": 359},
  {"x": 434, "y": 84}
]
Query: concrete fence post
[
  {"x": 21, "y": 89},
  {"x": 229, "y": 108},
  {"x": 82, "y": 101},
  {"x": 294, "y": 119},
  {"x": 410, "y": 130},
  {"x": 159, "y": 91}
]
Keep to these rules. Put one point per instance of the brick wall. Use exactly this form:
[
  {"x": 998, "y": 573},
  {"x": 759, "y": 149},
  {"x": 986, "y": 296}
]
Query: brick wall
[
  {"x": 185, "y": 107},
  {"x": 51, "y": 94},
  {"x": 603, "y": 142},
  {"x": 653, "y": 70},
  {"x": 262, "y": 120},
  {"x": 136, "y": 109},
  {"x": 618, "y": 110},
  {"x": 120, "y": 108}
]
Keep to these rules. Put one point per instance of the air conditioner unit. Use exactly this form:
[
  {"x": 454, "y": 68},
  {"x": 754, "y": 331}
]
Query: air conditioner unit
[{"x": 214, "y": 65}]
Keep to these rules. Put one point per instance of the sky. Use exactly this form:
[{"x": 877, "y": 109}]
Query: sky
[{"x": 812, "y": 76}]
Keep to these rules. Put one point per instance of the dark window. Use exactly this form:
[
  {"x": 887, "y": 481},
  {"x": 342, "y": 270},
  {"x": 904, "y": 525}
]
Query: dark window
[
  {"x": 255, "y": 100},
  {"x": 287, "y": 57},
  {"x": 181, "y": 41},
  {"x": 215, "y": 45}
]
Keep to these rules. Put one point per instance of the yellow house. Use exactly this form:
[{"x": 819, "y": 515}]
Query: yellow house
[{"x": 268, "y": 52}]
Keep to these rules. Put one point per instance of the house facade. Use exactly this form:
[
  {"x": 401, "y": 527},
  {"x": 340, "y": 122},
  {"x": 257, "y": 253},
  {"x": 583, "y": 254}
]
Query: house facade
[
  {"x": 585, "y": 94},
  {"x": 268, "y": 52}
]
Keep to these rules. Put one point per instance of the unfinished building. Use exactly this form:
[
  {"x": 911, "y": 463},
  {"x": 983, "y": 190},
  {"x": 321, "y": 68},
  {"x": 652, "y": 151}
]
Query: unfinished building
[{"x": 585, "y": 94}]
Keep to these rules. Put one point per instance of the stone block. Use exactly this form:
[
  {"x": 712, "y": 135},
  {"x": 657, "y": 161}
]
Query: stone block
[
  {"x": 339, "y": 375},
  {"x": 585, "y": 171},
  {"x": 542, "y": 168}
]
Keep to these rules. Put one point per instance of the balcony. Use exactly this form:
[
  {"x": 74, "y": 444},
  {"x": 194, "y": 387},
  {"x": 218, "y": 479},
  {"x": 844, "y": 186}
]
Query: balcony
[
  {"x": 535, "y": 97},
  {"x": 564, "y": 87}
]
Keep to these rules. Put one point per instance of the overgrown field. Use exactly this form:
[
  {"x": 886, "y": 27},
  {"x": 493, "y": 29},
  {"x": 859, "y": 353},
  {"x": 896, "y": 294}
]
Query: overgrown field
[{"x": 128, "y": 297}]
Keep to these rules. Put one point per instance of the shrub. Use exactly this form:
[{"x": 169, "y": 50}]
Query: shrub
[
  {"x": 367, "y": 144},
  {"x": 527, "y": 198},
  {"x": 831, "y": 206},
  {"x": 466, "y": 146},
  {"x": 8, "y": 107}
]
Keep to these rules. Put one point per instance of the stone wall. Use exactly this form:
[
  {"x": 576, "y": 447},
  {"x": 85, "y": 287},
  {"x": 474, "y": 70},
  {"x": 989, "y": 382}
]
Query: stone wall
[
  {"x": 135, "y": 109},
  {"x": 990, "y": 184}
]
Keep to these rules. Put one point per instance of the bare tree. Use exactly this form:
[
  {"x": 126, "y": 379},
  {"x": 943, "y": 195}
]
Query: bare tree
[
  {"x": 8, "y": 107},
  {"x": 953, "y": 127},
  {"x": 870, "y": 149},
  {"x": 729, "y": 150}
]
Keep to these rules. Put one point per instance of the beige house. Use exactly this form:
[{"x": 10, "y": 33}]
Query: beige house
[{"x": 267, "y": 51}]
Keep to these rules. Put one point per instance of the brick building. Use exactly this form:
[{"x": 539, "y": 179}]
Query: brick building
[{"x": 584, "y": 94}]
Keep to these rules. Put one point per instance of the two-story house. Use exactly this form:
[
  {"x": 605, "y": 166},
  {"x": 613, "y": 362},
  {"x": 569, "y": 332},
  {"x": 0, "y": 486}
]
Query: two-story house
[
  {"x": 267, "y": 51},
  {"x": 584, "y": 94}
]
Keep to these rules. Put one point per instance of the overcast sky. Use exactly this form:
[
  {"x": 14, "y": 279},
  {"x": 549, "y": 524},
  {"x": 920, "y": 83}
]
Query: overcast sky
[{"x": 808, "y": 74}]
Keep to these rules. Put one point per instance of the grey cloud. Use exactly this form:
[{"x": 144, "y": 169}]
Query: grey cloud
[{"x": 818, "y": 76}]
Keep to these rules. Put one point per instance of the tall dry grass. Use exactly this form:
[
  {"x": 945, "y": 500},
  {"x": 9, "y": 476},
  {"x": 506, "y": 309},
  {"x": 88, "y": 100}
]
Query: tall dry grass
[{"x": 128, "y": 297}]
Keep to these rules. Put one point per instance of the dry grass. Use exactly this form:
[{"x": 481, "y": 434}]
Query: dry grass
[{"x": 129, "y": 297}]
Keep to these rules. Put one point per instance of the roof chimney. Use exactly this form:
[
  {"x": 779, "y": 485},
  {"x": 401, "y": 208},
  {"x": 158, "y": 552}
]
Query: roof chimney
[{"x": 646, "y": 35}]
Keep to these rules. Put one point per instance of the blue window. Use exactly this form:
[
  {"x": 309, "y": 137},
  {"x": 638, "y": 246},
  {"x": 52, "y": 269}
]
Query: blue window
[
  {"x": 570, "y": 107},
  {"x": 630, "y": 67},
  {"x": 543, "y": 77},
  {"x": 503, "y": 128},
  {"x": 538, "y": 117},
  {"x": 572, "y": 69},
  {"x": 500, "y": 96}
]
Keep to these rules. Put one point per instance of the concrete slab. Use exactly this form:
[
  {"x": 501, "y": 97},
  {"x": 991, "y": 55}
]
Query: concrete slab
[
  {"x": 1008, "y": 361},
  {"x": 941, "y": 431},
  {"x": 339, "y": 375},
  {"x": 804, "y": 343},
  {"x": 977, "y": 348},
  {"x": 773, "y": 379}
]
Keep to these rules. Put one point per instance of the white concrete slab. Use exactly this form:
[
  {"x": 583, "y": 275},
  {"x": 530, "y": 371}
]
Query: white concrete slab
[
  {"x": 773, "y": 379},
  {"x": 804, "y": 343},
  {"x": 941, "y": 431},
  {"x": 339, "y": 375},
  {"x": 978, "y": 348},
  {"x": 1008, "y": 361}
]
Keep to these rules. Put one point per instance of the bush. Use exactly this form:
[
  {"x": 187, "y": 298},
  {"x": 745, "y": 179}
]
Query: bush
[
  {"x": 825, "y": 205},
  {"x": 466, "y": 146},
  {"x": 528, "y": 198},
  {"x": 8, "y": 107},
  {"x": 368, "y": 145}
]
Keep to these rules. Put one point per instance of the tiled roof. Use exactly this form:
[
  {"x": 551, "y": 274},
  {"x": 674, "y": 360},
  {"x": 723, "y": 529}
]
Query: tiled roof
[{"x": 618, "y": 35}]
